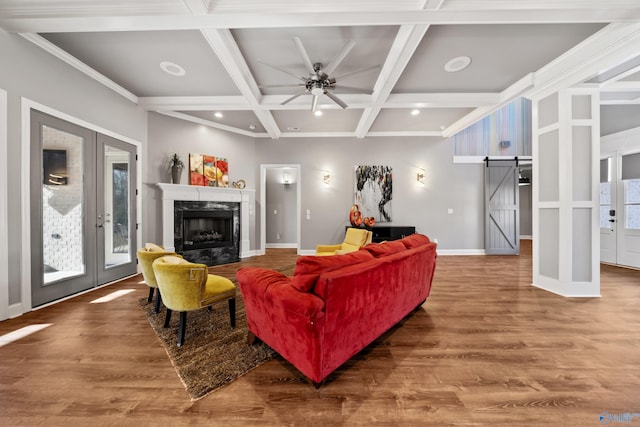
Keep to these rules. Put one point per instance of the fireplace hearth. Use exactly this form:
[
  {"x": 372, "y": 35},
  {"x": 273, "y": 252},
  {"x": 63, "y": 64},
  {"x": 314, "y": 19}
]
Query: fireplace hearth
[{"x": 207, "y": 232}]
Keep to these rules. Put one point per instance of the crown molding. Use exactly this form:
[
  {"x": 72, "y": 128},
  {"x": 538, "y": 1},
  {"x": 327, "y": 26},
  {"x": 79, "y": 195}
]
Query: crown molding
[
  {"x": 78, "y": 65},
  {"x": 210, "y": 123}
]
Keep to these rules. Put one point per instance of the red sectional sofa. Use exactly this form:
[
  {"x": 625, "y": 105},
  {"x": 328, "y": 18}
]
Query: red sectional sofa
[{"x": 335, "y": 306}]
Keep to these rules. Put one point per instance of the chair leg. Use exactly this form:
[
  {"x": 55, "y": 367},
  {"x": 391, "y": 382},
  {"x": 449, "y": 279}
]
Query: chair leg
[
  {"x": 232, "y": 312},
  {"x": 150, "y": 294},
  {"x": 156, "y": 309},
  {"x": 182, "y": 328},
  {"x": 167, "y": 318}
]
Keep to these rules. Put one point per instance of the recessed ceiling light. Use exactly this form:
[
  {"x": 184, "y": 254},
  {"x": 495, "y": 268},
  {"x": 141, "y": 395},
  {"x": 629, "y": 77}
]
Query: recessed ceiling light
[
  {"x": 252, "y": 127},
  {"x": 293, "y": 128},
  {"x": 318, "y": 113},
  {"x": 457, "y": 64},
  {"x": 173, "y": 69},
  {"x": 442, "y": 127},
  {"x": 218, "y": 114},
  {"x": 415, "y": 112}
]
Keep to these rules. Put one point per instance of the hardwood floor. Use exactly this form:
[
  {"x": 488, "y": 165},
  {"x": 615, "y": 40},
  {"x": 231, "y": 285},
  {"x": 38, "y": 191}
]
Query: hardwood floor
[{"x": 487, "y": 348}]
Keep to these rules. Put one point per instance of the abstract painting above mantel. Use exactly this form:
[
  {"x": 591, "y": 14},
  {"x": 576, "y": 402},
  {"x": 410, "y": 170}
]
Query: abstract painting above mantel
[
  {"x": 373, "y": 189},
  {"x": 208, "y": 171}
]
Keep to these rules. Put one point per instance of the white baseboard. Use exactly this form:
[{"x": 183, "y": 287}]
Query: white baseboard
[
  {"x": 307, "y": 252},
  {"x": 281, "y": 245},
  {"x": 445, "y": 252},
  {"x": 15, "y": 310},
  {"x": 526, "y": 237}
]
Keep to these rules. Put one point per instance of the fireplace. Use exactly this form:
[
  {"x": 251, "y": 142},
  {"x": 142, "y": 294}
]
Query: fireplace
[{"x": 207, "y": 232}]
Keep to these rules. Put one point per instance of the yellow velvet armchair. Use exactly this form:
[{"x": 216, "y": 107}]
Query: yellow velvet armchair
[
  {"x": 354, "y": 239},
  {"x": 186, "y": 286},
  {"x": 146, "y": 256}
]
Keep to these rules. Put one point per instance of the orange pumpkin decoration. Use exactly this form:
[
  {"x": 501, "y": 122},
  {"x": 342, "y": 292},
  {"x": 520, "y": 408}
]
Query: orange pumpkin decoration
[
  {"x": 355, "y": 216},
  {"x": 369, "y": 221}
]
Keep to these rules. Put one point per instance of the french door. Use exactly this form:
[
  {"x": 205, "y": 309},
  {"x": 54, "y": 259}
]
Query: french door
[
  {"x": 83, "y": 209},
  {"x": 620, "y": 209}
]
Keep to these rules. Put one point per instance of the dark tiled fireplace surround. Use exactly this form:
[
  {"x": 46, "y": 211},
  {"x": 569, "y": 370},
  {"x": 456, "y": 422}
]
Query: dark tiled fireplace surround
[{"x": 207, "y": 232}]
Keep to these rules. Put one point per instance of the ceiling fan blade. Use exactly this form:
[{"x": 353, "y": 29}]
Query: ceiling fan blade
[
  {"x": 351, "y": 89},
  {"x": 362, "y": 70},
  {"x": 314, "y": 103},
  {"x": 303, "y": 53},
  {"x": 284, "y": 71},
  {"x": 288, "y": 100},
  {"x": 331, "y": 67},
  {"x": 335, "y": 99}
]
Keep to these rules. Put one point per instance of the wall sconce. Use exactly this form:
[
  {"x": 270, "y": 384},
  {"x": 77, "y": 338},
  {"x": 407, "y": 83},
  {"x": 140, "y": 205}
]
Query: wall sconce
[
  {"x": 285, "y": 178},
  {"x": 420, "y": 177},
  {"x": 326, "y": 177}
]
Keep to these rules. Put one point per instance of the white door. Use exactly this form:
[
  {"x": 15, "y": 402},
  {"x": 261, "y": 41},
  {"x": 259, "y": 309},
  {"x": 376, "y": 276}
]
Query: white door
[
  {"x": 608, "y": 244},
  {"x": 628, "y": 221}
]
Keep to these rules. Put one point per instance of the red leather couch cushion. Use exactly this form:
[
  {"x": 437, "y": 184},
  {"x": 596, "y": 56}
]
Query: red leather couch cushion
[{"x": 309, "y": 268}]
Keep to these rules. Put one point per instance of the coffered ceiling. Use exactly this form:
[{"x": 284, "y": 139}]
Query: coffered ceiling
[{"x": 226, "y": 56}]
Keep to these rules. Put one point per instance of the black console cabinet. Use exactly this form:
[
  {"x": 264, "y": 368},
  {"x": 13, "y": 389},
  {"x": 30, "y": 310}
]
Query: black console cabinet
[{"x": 390, "y": 232}]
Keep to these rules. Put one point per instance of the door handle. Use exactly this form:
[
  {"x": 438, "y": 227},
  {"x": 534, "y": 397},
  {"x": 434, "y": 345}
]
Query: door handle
[
  {"x": 100, "y": 223},
  {"x": 612, "y": 220}
]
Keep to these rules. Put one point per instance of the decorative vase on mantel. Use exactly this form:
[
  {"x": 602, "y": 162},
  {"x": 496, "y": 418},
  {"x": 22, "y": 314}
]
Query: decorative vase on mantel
[{"x": 176, "y": 173}]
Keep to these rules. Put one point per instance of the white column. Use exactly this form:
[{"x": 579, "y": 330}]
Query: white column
[{"x": 566, "y": 153}]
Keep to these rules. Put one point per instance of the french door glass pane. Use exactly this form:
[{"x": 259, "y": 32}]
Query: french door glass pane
[
  {"x": 632, "y": 204},
  {"x": 605, "y": 204},
  {"x": 116, "y": 222},
  {"x": 62, "y": 204}
]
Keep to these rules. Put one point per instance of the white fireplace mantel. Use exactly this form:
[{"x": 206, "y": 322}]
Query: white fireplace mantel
[{"x": 173, "y": 192}]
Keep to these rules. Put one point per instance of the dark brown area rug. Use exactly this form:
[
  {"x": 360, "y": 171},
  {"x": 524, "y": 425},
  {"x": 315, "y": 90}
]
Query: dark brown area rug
[{"x": 213, "y": 354}]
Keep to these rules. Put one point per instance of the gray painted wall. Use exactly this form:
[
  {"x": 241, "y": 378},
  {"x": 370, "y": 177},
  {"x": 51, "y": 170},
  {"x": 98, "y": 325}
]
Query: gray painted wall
[
  {"x": 169, "y": 135},
  {"x": 447, "y": 186},
  {"x": 617, "y": 118},
  {"x": 28, "y": 71},
  {"x": 526, "y": 222},
  {"x": 281, "y": 206}
]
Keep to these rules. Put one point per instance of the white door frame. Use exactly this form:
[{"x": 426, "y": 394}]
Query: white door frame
[
  {"x": 263, "y": 203},
  {"x": 25, "y": 161},
  {"x": 4, "y": 216}
]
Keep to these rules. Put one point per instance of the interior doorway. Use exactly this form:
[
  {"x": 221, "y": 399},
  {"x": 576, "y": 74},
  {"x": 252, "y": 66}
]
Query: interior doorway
[
  {"x": 280, "y": 206},
  {"x": 83, "y": 216}
]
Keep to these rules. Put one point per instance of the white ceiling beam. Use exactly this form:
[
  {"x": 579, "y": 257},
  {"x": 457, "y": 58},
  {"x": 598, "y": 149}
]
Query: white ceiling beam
[
  {"x": 223, "y": 44},
  {"x": 355, "y": 101},
  {"x": 620, "y": 86},
  {"x": 197, "y": 7},
  {"x": 66, "y": 24},
  {"x": 194, "y": 103},
  {"x": 78, "y": 65},
  {"x": 614, "y": 44},
  {"x": 402, "y": 49},
  {"x": 440, "y": 100}
]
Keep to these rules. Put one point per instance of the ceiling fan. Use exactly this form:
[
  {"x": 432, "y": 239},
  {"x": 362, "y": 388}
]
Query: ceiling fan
[{"x": 320, "y": 80}]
